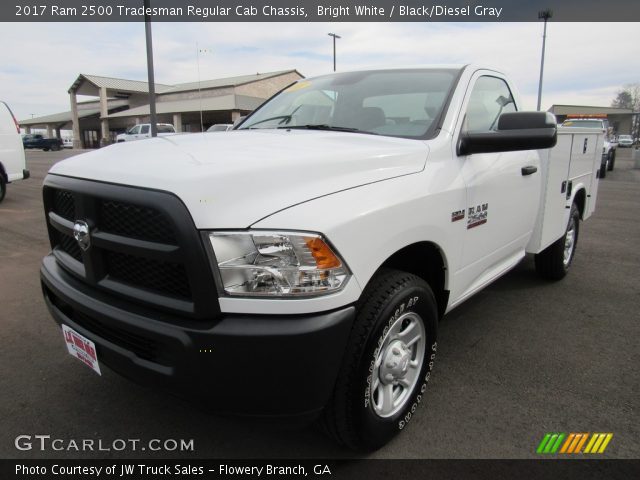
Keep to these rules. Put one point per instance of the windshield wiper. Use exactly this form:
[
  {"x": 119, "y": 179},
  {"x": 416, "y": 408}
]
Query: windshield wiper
[
  {"x": 324, "y": 126},
  {"x": 283, "y": 118}
]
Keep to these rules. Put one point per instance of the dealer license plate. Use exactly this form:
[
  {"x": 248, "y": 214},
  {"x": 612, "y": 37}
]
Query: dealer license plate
[{"x": 82, "y": 348}]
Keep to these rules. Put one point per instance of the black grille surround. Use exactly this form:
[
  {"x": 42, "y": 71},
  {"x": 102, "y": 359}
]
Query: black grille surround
[{"x": 144, "y": 245}]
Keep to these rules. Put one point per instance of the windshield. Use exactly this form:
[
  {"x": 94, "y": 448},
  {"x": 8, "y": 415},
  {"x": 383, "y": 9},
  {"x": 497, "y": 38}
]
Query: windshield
[
  {"x": 624, "y": 137},
  {"x": 403, "y": 103}
]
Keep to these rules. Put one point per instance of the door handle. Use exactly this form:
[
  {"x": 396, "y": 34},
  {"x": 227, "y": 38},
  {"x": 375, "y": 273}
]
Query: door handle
[{"x": 529, "y": 170}]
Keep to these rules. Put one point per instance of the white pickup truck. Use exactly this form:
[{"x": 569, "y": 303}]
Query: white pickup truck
[
  {"x": 299, "y": 265},
  {"x": 143, "y": 130}
]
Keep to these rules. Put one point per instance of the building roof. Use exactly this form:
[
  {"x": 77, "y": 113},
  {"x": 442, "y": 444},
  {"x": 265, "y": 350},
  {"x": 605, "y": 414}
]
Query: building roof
[
  {"x": 118, "y": 84},
  {"x": 62, "y": 117},
  {"x": 137, "y": 86},
  {"x": 85, "y": 109},
  {"x": 586, "y": 109},
  {"x": 223, "y": 102},
  {"x": 229, "y": 81}
]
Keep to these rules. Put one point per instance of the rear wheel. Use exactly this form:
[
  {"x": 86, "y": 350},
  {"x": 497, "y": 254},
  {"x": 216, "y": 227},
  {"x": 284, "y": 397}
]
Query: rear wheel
[
  {"x": 55, "y": 147},
  {"x": 603, "y": 167},
  {"x": 387, "y": 363},
  {"x": 612, "y": 160},
  {"x": 554, "y": 261}
]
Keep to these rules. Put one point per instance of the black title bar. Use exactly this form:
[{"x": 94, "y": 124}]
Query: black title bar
[{"x": 317, "y": 10}]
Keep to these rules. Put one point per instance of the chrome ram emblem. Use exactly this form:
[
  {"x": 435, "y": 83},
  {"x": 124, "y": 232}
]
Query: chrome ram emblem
[{"x": 81, "y": 234}]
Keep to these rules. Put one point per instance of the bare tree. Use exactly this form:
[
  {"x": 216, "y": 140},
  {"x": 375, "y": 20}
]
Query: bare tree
[{"x": 629, "y": 97}]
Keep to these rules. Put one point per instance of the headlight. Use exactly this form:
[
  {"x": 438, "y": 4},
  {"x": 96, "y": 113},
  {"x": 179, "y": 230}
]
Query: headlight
[{"x": 277, "y": 264}]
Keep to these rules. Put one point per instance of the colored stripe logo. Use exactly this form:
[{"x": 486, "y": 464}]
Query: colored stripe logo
[{"x": 574, "y": 443}]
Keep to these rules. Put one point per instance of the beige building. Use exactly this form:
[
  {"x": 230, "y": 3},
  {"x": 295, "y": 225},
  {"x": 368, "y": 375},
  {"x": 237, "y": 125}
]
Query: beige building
[
  {"x": 123, "y": 103},
  {"x": 620, "y": 119}
]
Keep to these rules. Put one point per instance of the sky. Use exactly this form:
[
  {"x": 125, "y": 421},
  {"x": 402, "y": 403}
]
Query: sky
[{"x": 586, "y": 63}]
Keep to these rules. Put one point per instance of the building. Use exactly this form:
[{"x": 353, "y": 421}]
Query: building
[
  {"x": 123, "y": 103},
  {"x": 620, "y": 119}
]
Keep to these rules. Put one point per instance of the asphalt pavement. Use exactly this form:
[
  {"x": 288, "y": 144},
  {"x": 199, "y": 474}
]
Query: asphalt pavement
[{"x": 522, "y": 358}]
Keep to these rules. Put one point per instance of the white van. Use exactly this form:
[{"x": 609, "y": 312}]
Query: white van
[{"x": 12, "y": 162}]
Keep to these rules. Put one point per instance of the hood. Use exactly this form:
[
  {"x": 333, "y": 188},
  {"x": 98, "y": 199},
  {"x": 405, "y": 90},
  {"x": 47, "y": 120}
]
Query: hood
[{"x": 236, "y": 179}]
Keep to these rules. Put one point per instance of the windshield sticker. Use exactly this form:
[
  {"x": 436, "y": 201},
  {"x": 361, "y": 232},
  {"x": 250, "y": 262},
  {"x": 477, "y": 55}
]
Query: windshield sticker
[
  {"x": 477, "y": 215},
  {"x": 298, "y": 86}
]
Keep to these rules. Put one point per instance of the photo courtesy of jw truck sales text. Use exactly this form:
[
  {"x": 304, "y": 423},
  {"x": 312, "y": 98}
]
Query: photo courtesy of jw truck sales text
[{"x": 129, "y": 245}]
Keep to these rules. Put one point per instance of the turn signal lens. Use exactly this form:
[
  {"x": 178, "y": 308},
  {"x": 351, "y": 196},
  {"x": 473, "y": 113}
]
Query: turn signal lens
[{"x": 323, "y": 255}]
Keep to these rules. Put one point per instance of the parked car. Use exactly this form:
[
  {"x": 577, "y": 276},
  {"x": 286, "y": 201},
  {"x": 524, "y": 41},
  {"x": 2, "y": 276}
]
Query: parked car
[
  {"x": 299, "y": 265},
  {"x": 12, "y": 162},
  {"x": 625, "y": 141},
  {"x": 67, "y": 142},
  {"x": 143, "y": 130},
  {"x": 609, "y": 145},
  {"x": 40, "y": 142},
  {"x": 220, "y": 127}
]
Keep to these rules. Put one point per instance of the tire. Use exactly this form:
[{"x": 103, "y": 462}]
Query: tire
[
  {"x": 55, "y": 148},
  {"x": 45, "y": 149},
  {"x": 394, "y": 306},
  {"x": 612, "y": 160},
  {"x": 3, "y": 187},
  {"x": 603, "y": 168},
  {"x": 554, "y": 262}
]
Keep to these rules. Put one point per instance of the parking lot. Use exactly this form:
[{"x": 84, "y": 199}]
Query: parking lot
[{"x": 522, "y": 358}]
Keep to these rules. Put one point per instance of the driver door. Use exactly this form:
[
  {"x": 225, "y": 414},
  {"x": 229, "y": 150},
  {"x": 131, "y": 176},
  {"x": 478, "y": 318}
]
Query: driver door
[{"x": 502, "y": 196}]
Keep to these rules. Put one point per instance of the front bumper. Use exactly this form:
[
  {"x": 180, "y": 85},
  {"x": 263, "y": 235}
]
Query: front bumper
[{"x": 253, "y": 365}]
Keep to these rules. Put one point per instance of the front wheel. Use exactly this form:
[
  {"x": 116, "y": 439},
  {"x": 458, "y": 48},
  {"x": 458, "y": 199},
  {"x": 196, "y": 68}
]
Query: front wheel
[
  {"x": 554, "y": 261},
  {"x": 387, "y": 364},
  {"x": 3, "y": 187}
]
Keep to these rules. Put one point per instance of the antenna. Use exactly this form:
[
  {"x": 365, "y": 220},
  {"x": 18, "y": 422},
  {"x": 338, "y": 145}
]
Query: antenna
[{"x": 199, "y": 87}]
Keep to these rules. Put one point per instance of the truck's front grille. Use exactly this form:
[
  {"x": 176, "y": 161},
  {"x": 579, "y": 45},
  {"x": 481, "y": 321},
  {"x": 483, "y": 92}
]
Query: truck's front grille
[
  {"x": 166, "y": 277},
  {"x": 68, "y": 245},
  {"x": 136, "y": 221},
  {"x": 143, "y": 244},
  {"x": 142, "y": 347},
  {"x": 64, "y": 204}
]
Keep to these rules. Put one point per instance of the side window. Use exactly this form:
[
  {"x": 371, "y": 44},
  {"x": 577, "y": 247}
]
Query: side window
[
  {"x": 134, "y": 130},
  {"x": 145, "y": 129},
  {"x": 489, "y": 99}
]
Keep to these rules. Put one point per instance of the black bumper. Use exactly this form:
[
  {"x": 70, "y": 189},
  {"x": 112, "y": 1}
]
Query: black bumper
[
  {"x": 255, "y": 365},
  {"x": 25, "y": 174}
]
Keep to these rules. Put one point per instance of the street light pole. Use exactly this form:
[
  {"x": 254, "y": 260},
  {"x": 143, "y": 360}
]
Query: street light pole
[
  {"x": 543, "y": 15},
  {"x": 334, "y": 48},
  {"x": 150, "y": 76}
]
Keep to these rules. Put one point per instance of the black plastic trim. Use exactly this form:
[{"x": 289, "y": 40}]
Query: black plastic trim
[
  {"x": 189, "y": 251},
  {"x": 255, "y": 365}
]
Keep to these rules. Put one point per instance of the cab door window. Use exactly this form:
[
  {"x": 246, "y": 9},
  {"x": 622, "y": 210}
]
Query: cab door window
[{"x": 489, "y": 99}]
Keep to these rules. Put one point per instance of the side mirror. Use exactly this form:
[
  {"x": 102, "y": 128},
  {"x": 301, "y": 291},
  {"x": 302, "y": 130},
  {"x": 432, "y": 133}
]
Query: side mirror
[{"x": 516, "y": 131}]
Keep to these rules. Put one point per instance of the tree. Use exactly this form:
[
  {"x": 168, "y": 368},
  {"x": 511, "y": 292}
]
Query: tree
[{"x": 628, "y": 97}]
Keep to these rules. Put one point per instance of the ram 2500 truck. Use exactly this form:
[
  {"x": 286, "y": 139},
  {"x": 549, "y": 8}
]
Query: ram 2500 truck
[{"x": 299, "y": 264}]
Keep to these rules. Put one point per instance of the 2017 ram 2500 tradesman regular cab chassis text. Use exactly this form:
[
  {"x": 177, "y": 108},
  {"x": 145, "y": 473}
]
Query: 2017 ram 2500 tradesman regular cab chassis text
[{"x": 299, "y": 264}]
